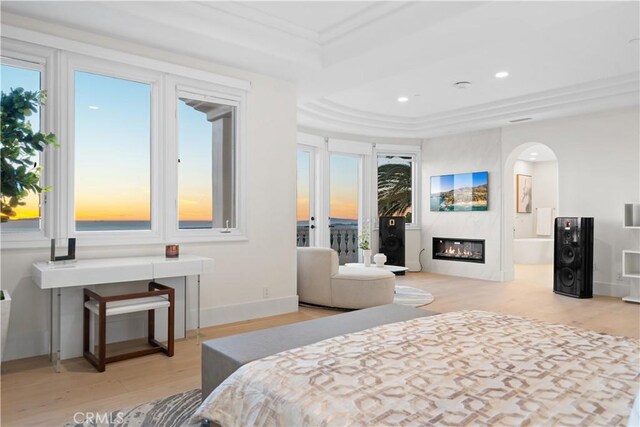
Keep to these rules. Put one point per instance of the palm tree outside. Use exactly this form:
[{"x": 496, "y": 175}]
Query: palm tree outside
[{"x": 394, "y": 186}]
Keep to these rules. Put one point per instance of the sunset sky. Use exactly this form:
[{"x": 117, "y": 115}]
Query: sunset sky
[
  {"x": 113, "y": 140},
  {"x": 196, "y": 165},
  {"x": 343, "y": 187},
  {"x": 112, "y": 149}
]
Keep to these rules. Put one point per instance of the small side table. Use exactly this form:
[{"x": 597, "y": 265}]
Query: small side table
[{"x": 396, "y": 269}]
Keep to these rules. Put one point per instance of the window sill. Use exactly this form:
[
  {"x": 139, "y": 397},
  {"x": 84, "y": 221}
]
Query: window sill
[{"x": 94, "y": 241}]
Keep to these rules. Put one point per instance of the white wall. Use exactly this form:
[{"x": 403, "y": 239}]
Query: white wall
[
  {"x": 544, "y": 177},
  {"x": 598, "y": 171},
  {"x": 235, "y": 290},
  {"x": 469, "y": 152}
]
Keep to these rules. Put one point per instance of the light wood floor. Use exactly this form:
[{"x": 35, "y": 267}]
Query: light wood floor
[{"x": 32, "y": 394}]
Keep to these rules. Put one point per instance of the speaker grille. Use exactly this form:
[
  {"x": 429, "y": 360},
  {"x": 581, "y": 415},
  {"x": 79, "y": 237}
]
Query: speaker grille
[
  {"x": 573, "y": 257},
  {"x": 567, "y": 254},
  {"x": 392, "y": 239}
]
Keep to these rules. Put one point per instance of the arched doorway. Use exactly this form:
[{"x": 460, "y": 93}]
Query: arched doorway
[{"x": 531, "y": 203}]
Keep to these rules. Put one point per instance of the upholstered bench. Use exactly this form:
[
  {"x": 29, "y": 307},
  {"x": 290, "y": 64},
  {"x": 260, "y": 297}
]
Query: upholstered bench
[{"x": 221, "y": 357}]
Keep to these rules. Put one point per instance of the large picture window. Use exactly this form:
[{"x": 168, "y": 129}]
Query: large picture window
[
  {"x": 396, "y": 185},
  {"x": 112, "y": 153},
  {"x": 148, "y": 152},
  {"x": 29, "y": 214}
]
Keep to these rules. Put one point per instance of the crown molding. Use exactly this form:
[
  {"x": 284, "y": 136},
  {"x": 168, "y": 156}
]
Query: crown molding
[
  {"x": 263, "y": 19},
  {"x": 613, "y": 92},
  {"x": 359, "y": 20}
]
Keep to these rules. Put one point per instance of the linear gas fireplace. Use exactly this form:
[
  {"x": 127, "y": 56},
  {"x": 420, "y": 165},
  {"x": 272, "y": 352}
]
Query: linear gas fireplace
[{"x": 467, "y": 250}]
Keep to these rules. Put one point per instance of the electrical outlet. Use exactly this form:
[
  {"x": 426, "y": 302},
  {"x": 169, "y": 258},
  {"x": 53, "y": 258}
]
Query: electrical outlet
[{"x": 265, "y": 292}]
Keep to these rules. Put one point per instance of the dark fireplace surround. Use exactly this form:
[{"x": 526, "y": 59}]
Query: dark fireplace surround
[{"x": 450, "y": 249}]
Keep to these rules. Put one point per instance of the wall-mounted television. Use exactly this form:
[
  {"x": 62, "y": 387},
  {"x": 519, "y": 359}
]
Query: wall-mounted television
[{"x": 460, "y": 192}]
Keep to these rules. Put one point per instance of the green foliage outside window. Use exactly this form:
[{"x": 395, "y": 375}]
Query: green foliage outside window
[{"x": 20, "y": 175}]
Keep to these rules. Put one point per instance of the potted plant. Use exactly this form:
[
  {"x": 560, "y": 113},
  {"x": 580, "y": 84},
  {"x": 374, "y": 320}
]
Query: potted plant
[
  {"x": 364, "y": 244},
  {"x": 20, "y": 175}
]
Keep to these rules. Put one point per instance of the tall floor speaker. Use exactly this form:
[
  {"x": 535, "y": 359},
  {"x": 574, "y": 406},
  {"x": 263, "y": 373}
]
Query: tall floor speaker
[
  {"x": 573, "y": 257},
  {"x": 392, "y": 239}
]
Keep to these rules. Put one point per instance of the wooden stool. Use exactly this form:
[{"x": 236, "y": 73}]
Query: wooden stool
[{"x": 158, "y": 296}]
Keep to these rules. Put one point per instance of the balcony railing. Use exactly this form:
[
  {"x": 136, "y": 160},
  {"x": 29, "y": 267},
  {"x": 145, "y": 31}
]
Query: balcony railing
[{"x": 343, "y": 239}]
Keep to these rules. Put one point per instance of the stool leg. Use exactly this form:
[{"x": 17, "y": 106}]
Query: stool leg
[
  {"x": 170, "y": 326},
  {"x": 102, "y": 336},
  {"x": 86, "y": 323},
  {"x": 151, "y": 334}
]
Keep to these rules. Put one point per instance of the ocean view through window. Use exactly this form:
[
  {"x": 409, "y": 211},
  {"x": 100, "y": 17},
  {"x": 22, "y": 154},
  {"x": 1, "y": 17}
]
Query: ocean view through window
[
  {"x": 28, "y": 216},
  {"x": 344, "y": 187},
  {"x": 206, "y": 159},
  {"x": 112, "y": 153}
]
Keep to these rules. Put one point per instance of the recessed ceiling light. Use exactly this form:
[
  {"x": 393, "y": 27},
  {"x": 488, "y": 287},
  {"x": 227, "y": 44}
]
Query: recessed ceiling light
[
  {"x": 403, "y": 99},
  {"x": 462, "y": 85},
  {"x": 93, "y": 107},
  {"x": 502, "y": 74},
  {"x": 534, "y": 154},
  {"x": 524, "y": 119},
  {"x": 532, "y": 158}
]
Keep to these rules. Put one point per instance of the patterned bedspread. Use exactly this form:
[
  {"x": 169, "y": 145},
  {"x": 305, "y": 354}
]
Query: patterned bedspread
[{"x": 461, "y": 368}]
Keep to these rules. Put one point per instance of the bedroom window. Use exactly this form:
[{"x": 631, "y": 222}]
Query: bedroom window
[
  {"x": 206, "y": 162},
  {"x": 149, "y": 152},
  {"x": 28, "y": 76},
  {"x": 112, "y": 153},
  {"x": 396, "y": 185}
]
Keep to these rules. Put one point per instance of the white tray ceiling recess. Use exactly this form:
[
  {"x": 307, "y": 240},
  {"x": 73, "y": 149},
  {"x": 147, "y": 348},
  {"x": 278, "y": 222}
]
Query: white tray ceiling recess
[{"x": 352, "y": 60}]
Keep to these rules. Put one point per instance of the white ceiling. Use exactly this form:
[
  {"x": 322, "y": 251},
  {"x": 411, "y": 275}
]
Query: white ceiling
[{"x": 352, "y": 60}]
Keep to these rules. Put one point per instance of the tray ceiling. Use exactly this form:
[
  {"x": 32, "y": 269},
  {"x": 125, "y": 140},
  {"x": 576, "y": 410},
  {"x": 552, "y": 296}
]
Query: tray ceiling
[{"x": 352, "y": 60}]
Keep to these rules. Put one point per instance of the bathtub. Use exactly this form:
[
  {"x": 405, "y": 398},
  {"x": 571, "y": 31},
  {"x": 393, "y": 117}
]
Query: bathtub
[{"x": 533, "y": 250}]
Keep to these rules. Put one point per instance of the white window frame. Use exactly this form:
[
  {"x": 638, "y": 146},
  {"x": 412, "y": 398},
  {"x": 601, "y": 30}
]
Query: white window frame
[
  {"x": 61, "y": 56},
  {"x": 195, "y": 89},
  {"x": 400, "y": 150},
  {"x": 42, "y": 59},
  {"x": 78, "y": 63}
]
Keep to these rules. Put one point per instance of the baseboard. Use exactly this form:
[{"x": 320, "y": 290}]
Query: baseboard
[
  {"x": 212, "y": 316},
  {"x": 611, "y": 289}
]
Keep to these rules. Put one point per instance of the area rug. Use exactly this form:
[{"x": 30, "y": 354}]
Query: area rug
[
  {"x": 172, "y": 411},
  {"x": 413, "y": 297}
]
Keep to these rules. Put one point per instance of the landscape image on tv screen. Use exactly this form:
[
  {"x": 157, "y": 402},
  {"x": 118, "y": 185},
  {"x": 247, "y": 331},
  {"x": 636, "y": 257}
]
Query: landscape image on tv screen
[{"x": 460, "y": 192}]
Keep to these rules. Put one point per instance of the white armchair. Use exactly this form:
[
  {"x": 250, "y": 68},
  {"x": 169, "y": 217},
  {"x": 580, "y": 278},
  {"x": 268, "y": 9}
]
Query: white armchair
[{"x": 321, "y": 281}]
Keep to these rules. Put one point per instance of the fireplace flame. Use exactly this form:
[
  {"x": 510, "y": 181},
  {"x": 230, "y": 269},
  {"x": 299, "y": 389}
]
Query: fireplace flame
[{"x": 458, "y": 252}]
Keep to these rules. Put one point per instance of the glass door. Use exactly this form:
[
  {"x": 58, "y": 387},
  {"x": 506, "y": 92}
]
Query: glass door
[
  {"x": 344, "y": 205},
  {"x": 305, "y": 200}
]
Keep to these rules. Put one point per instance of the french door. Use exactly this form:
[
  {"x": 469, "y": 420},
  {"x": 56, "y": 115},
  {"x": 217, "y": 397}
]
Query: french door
[
  {"x": 306, "y": 227},
  {"x": 344, "y": 205},
  {"x": 332, "y": 199}
]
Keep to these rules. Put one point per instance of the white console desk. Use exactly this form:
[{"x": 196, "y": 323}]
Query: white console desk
[{"x": 88, "y": 272}]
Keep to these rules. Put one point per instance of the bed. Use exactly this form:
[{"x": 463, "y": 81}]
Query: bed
[{"x": 460, "y": 368}]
